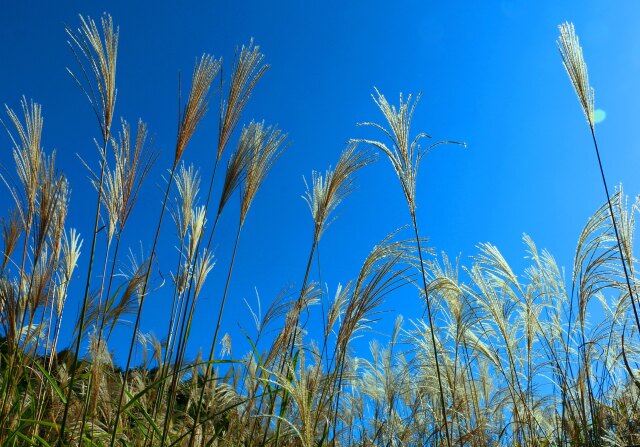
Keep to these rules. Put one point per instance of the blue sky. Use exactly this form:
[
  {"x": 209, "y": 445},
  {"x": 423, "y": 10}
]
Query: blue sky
[{"x": 490, "y": 75}]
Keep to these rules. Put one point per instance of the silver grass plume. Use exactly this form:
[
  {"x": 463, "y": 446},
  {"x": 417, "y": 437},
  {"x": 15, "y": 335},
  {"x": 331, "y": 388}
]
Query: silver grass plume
[
  {"x": 246, "y": 72},
  {"x": 236, "y": 167},
  {"x": 188, "y": 185},
  {"x": 204, "y": 73},
  {"x": 324, "y": 193},
  {"x": 573, "y": 60},
  {"x": 28, "y": 155},
  {"x": 101, "y": 55},
  {"x": 134, "y": 159},
  {"x": 266, "y": 145}
]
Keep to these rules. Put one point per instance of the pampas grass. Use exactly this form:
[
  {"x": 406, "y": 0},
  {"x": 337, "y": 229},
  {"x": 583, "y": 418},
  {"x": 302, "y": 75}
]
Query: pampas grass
[{"x": 503, "y": 356}]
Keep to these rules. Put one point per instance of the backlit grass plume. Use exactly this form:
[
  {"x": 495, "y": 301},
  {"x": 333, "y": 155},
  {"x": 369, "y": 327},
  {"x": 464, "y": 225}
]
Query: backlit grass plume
[
  {"x": 266, "y": 145},
  {"x": 204, "y": 73},
  {"x": 325, "y": 192},
  {"x": 100, "y": 53},
  {"x": 27, "y": 155},
  {"x": 573, "y": 60},
  {"x": 247, "y": 71}
]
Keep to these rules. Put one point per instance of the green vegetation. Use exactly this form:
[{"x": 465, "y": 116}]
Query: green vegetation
[{"x": 499, "y": 359}]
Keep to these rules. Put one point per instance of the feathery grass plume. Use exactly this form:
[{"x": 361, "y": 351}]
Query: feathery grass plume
[
  {"x": 337, "y": 308},
  {"x": 132, "y": 165},
  {"x": 205, "y": 264},
  {"x": 100, "y": 54},
  {"x": 188, "y": 186},
  {"x": 51, "y": 203},
  {"x": 204, "y": 73},
  {"x": 71, "y": 246},
  {"x": 108, "y": 313},
  {"x": 236, "y": 167},
  {"x": 326, "y": 192},
  {"x": 27, "y": 155},
  {"x": 310, "y": 296},
  {"x": 112, "y": 199},
  {"x": 302, "y": 391},
  {"x": 247, "y": 71},
  {"x": 380, "y": 274},
  {"x": 266, "y": 146},
  {"x": 573, "y": 60},
  {"x": 121, "y": 185},
  {"x": 11, "y": 229},
  {"x": 197, "y": 224},
  {"x": 405, "y": 154},
  {"x": 323, "y": 197}
]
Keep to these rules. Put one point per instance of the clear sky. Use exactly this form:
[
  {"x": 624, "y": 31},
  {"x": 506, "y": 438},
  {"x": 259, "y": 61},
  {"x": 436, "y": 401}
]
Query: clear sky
[{"x": 490, "y": 75}]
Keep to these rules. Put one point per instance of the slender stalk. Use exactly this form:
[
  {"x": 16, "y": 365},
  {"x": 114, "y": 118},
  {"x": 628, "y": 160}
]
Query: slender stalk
[
  {"x": 185, "y": 328},
  {"x": 215, "y": 338},
  {"x": 283, "y": 362},
  {"x": 615, "y": 229},
  {"x": 432, "y": 329},
  {"x": 103, "y": 319},
  {"x": 139, "y": 313},
  {"x": 12, "y": 335},
  {"x": 85, "y": 299}
]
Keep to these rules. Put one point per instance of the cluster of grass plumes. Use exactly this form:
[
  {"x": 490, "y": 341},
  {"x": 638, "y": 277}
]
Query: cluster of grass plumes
[{"x": 499, "y": 359}]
